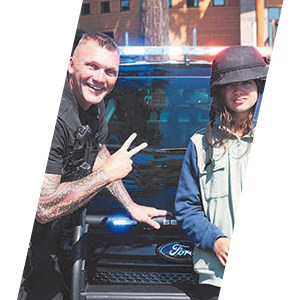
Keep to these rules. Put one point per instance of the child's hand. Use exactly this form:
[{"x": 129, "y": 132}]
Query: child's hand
[{"x": 221, "y": 248}]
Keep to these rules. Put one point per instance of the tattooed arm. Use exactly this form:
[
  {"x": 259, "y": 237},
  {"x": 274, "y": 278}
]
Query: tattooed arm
[{"x": 58, "y": 199}]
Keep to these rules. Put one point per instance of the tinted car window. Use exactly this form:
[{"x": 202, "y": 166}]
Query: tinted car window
[{"x": 165, "y": 106}]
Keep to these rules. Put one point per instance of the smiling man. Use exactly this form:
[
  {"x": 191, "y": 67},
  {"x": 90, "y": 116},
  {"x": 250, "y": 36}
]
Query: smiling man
[
  {"x": 79, "y": 164},
  {"x": 92, "y": 72}
]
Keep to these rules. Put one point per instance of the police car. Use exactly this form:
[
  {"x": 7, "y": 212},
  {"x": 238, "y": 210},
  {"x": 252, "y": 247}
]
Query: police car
[{"x": 162, "y": 93}]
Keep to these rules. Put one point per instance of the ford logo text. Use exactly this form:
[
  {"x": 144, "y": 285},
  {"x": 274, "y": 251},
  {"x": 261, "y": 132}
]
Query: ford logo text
[{"x": 181, "y": 251}]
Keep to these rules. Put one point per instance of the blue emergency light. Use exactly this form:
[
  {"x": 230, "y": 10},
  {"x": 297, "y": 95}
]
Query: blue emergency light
[{"x": 123, "y": 221}]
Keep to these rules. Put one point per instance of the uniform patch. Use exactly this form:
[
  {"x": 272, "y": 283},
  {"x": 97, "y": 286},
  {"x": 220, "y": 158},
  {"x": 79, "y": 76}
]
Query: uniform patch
[{"x": 31, "y": 132}]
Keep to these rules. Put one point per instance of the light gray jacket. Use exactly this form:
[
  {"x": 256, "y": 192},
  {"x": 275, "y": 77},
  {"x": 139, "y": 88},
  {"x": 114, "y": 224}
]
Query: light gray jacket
[{"x": 220, "y": 193}]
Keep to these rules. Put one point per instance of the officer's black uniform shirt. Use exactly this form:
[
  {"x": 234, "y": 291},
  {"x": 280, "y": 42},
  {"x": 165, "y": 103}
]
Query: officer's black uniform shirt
[{"x": 70, "y": 117}]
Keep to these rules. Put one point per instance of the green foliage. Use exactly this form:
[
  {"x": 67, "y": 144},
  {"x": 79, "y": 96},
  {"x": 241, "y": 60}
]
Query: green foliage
[{"x": 24, "y": 73}]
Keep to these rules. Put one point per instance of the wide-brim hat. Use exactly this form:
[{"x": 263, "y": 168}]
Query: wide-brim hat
[{"x": 236, "y": 64}]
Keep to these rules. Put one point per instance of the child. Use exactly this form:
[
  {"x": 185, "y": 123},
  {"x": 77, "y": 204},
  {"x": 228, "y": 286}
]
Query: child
[{"x": 215, "y": 162}]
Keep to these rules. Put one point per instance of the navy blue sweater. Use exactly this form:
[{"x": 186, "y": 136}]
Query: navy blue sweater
[{"x": 188, "y": 206}]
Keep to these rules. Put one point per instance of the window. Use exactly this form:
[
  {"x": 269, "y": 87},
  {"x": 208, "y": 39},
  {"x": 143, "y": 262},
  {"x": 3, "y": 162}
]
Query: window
[
  {"x": 125, "y": 5},
  {"x": 274, "y": 13},
  {"x": 219, "y": 3},
  {"x": 85, "y": 9},
  {"x": 105, "y": 7},
  {"x": 156, "y": 99},
  {"x": 192, "y": 3}
]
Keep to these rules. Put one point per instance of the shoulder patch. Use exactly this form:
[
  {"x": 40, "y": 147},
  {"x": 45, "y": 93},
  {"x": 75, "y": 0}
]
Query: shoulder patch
[{"x": 31, "y": 132}]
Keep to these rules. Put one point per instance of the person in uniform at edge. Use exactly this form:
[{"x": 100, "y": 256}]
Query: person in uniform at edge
[
  {"x": 92, "y": 73},
  {"x": 215, "y": 162}
]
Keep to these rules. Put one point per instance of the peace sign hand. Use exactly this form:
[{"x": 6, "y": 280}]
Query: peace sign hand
[
  {"x": 119, "y": 165},
  {"x": 135, "y": 150}
]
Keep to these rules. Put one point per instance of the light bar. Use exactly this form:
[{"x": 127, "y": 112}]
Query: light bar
[{"x": 178, "y": 50}]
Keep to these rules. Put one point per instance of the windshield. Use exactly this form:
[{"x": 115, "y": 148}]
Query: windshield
[{"x": 163, "y": 111}]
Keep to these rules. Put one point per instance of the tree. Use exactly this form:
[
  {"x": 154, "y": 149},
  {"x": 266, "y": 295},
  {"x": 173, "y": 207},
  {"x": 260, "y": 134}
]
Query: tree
[{"x": 155, "y": 22}]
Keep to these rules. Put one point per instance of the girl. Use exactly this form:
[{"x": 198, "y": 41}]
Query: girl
[{"x": 215, "y": 162}]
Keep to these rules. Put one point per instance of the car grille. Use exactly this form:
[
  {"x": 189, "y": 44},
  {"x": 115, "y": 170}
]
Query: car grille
[{"x": 102, "y": 276}]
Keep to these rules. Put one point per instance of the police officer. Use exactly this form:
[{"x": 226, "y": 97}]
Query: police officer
[{"x": 79, "y": 164}]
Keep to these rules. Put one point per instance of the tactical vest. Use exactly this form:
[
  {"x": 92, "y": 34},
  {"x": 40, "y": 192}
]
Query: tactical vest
[{"x": 82, "y": 140}]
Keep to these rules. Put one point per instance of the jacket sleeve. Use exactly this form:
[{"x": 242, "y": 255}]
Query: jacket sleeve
[
  {"x": 278, "y": 238},
  {"x": 189, "y": 212}
]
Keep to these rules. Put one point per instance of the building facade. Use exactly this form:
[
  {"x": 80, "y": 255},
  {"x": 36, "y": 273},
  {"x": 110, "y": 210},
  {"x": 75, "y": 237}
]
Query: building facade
[{"x": 191, "y": 22}]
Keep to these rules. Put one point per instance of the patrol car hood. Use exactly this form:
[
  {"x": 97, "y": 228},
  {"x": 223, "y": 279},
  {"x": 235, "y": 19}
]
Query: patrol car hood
[{"x": 152, "y": 182}]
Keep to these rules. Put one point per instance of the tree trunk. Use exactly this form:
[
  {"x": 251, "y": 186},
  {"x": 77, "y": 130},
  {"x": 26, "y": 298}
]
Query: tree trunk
[{"x": 155, "y": 22}]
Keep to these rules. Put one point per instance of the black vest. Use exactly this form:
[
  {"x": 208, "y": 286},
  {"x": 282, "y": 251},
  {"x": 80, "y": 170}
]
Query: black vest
[
  {"x": 83, "y": 132},
  {"x": 82, "y": 128}
]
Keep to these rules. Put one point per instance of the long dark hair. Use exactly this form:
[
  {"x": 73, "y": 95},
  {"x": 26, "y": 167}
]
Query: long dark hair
[{"x": 223, "y": 119}]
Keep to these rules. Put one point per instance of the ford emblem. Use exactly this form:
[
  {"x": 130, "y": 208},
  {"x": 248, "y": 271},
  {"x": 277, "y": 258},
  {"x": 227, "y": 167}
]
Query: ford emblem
[{"x": 180, "y": 252}]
